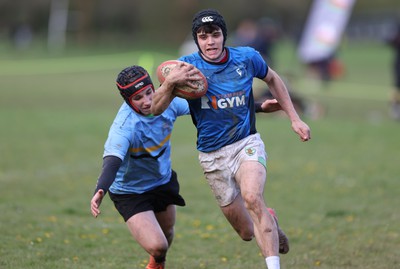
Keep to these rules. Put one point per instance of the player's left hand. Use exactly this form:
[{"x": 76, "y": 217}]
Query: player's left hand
[{"x": 302, "y": 129}]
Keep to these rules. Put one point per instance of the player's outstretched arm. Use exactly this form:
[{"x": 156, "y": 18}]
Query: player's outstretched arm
[
  {"x": 280, "y": 92},
  {"x": 111, "y": 165}
]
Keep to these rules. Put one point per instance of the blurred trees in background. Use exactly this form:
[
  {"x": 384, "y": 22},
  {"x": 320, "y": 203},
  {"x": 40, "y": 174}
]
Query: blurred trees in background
[{"x": 167, "y": 23}]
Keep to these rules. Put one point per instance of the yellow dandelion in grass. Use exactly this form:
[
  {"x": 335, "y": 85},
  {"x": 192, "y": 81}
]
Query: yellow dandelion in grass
[
  {"x": 209, "y": 227},
  {"x": 52, "y": 219},
  {"x": 143, "y": 263},
  {"x": 310, "y": 236},
  {"x": 178, "y": 235},
  {"x": 105, "y": 231},
  {"x": 205, "y": 235},
  {"x": 48, "y": 235},
  {"x": 92, "y": 236},
  {"x": 224, "y": 259},
  {"x": 88, "y": 236},
  {"x": 39, "y": 240},
  {"x": 196, "y": 223},
  {"x": 83, "y": 236},
  {"x": 317, "y": 263}
]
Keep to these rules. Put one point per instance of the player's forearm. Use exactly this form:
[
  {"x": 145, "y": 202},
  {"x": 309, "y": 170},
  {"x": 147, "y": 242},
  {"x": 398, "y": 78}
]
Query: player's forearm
[
  {"x": 282, "y": 95},
  {"x": 162, "y": 97},
  {"x": 111, "y": 165},
  {"x": 289, "y": 109}
]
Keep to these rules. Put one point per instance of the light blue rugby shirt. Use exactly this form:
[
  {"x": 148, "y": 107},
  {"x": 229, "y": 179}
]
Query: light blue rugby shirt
[
  {"x": 226, "y": 113},
  {"x": 143, "y": 145}
]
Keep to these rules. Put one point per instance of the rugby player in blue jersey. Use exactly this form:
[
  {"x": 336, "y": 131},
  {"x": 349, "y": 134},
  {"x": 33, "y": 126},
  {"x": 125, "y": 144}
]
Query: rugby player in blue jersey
[
  {"x": 231, "y": 151},
  {"x": 137, "y": 169}
]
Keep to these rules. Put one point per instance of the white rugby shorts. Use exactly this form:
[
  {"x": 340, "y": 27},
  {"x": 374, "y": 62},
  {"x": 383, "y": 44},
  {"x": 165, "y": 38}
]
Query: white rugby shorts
[{"x": 220, "y": 166}]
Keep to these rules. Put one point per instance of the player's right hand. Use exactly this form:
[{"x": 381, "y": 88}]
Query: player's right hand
[
  {"x": 183, "y": 74},
  {"x": 95, "y": 203}
]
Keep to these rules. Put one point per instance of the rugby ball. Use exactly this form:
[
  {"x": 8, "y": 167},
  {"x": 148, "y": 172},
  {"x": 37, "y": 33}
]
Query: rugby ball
[{"x": 183, "y": 91}]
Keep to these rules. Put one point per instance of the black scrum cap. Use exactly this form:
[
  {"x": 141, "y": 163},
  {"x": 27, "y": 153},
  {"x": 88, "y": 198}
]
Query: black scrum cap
[{"x": 208, "y": 17}]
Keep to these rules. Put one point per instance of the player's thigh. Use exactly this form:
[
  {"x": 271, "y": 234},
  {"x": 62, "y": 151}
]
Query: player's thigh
[
  {"x": 167, "y": 218},
  {"x": 146, "y": 230},
  {"x": 251, "y": 177}
]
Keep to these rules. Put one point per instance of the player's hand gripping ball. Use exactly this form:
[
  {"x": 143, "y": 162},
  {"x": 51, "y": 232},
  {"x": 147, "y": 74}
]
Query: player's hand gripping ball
[{"x": 183, "y": 91}]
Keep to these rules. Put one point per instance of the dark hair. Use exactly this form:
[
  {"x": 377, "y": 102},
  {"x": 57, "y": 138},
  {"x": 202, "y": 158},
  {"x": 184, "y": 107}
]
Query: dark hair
[{"x": 208, "y": 29}]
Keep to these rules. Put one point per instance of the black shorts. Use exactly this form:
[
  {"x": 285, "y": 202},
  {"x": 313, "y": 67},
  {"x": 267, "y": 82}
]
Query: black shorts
[{"x": 155, "y": 200}]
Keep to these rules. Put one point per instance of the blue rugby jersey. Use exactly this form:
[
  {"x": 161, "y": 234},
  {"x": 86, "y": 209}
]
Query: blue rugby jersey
[
  {"x": 226, "y": 113},
  {"x": 143, "y": 145}
]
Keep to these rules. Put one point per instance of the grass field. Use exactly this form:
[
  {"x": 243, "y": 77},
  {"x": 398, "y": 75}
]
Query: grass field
[{"x": 337, "y": 196}]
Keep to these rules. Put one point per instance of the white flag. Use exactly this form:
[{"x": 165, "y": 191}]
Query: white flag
[{"x": 324, "y": 29}]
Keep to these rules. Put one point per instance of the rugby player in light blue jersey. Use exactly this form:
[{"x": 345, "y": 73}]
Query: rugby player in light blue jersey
[
  {"x": 137, "y": 163},
  {"x": 231, "y": 151}
]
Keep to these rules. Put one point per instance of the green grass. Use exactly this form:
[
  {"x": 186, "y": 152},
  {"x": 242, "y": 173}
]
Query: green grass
[{"x": 336, "y": 195}]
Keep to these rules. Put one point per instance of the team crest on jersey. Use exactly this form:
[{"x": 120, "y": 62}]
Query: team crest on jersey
[{"x": 250, "y": 151}]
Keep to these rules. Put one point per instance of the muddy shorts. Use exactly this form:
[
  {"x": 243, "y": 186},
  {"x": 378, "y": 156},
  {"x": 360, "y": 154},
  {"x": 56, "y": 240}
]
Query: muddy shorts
[{"x": 220, "y": 166}]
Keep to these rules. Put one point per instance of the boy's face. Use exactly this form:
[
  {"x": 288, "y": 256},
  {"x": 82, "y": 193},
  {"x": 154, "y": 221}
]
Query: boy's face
[
  {"x": 211, "y": 44},
  {"x": 142, "y": 100}
]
